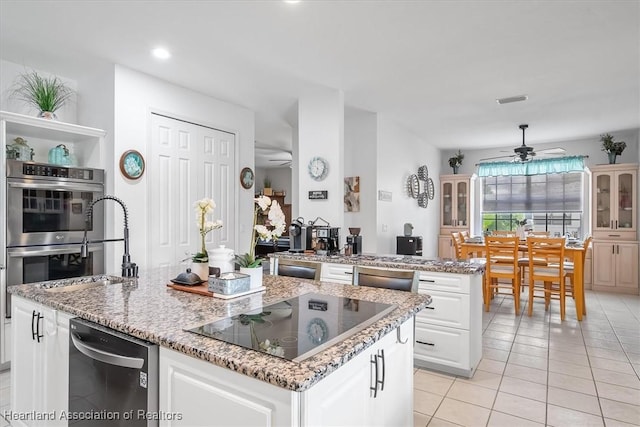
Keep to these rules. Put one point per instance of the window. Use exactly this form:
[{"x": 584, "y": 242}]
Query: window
[{"x": 551, "y": 202}]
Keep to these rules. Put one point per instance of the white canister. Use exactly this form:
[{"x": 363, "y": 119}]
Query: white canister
[{"x": 222, "y": 258}]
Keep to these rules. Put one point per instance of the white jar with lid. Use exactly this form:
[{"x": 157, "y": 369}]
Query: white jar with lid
[{"x": 222, "y": 258}]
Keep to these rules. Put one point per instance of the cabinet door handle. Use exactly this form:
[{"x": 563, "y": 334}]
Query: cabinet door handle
[
  {"x": 611, "y": 224},
  {"x": 33, "y": 329},
  {"x": 426, "y": 343},
  {"x": 616, "y": 224},
  {"x": 618, "y": 249},
  {"x": 374, "y": 387},
  {"x": 399, "y": 336},
  {"x": 613, "y": 249},
  {"x": 381, "y": 357},
  {"x": 38, "y": 334}
]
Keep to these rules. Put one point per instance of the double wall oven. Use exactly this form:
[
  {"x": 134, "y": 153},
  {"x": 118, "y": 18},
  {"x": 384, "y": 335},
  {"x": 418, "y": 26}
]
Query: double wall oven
[{"x": 45, "y": 223}]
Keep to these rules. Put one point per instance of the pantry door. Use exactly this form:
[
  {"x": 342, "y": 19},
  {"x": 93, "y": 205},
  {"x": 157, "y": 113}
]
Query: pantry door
[{"x": 188, "y": 162}]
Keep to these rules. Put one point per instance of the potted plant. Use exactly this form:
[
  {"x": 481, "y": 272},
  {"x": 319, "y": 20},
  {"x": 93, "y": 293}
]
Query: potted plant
[
  {"x": 456, "y": 161},
  {"x": 276, "y": 226},
  {"x": 268, "y": 191},
  {"x": 47, "y": 94},
  {"x": 200, "y": 260},
  {"x": 613, "y": 149}
]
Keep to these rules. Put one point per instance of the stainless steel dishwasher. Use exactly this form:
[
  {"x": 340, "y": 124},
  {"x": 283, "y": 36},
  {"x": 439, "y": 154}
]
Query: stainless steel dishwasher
[{"x": 113, "y": 377}]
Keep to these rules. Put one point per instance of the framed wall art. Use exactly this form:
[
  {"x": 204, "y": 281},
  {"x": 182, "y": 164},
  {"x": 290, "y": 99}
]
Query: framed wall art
[
  {"x": 246, "y": 178},
  {"x": 132, "y": 164}
]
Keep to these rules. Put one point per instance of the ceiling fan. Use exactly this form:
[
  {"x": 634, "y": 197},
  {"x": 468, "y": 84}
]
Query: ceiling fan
[
  {"x": 273, "y": 156},
  {"x": 524, "y": 153}
]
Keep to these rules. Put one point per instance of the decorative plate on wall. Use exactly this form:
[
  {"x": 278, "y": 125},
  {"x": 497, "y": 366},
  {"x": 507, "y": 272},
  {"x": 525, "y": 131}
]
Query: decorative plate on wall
[
  {"x": 246, "y": 178},
  {"x": 132, "y": 164}
]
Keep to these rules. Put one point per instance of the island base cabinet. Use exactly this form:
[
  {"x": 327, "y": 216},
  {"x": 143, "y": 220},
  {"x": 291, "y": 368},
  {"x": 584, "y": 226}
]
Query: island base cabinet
[
  {"x": 351, "y": 397},
  {"x": 197, "y": 393},
  {"x": 40, "y": 360}
]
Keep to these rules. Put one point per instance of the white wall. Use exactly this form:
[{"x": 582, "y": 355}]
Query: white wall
[
  {"x": 360, "y": 153},
  {"x": 401, "y": 153},
  {"x": 321, "y": 133},
  {"x": 135, "y": 96}
]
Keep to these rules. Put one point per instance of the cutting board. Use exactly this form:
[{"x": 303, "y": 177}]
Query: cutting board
[{"x": 203, "y": 290}]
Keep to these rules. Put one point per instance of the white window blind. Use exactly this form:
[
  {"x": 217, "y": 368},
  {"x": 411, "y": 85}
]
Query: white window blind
[{"x": 534, "y": 193}]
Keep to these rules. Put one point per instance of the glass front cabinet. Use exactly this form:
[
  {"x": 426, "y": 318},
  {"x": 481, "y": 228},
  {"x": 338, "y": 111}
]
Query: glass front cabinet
[
  {"x": 454, "y": 210},
  {"x": 614, "y": 201}
]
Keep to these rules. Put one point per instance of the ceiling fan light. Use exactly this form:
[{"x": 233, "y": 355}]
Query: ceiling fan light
[{"x": 512, "y": 99}]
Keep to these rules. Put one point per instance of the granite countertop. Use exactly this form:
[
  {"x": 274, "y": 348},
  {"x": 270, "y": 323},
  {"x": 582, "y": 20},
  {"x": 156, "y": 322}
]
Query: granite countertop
[
  {"x": 146, "y": 308},
  {"x": 408, "y": 262}
]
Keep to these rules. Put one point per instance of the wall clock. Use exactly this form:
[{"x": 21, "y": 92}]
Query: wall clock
[
  {"x": 318, "y": 168},
  {"x": 132, "y": 164},
  {"x": 317, "y": 330},
  {"x": 246, "y": 178}
]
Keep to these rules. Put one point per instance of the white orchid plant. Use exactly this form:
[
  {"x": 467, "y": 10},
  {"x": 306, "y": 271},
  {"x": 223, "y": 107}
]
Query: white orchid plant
[
  {"x": 271, "y": 230},
  {"x": 204, "y": 207}
]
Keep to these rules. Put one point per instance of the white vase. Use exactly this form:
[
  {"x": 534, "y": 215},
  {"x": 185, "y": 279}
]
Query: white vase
[
  {"x": 520, "y": 232},
  {"x": 201, "y": 269},
  {"x": 256, "y": 275}
]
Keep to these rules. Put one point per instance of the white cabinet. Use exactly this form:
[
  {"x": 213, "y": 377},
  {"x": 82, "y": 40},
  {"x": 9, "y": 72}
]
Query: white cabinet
[
  {"x": 615, "y": 266},
  {"x": 449, "y": 331},
  {"x": 40, "y": 361},
  {"x": 85, "y": 143},
  {"x": 615, "y": 201},
  {"x": 199, "y": 390},
  {"x": 352, "y": 397},
  {"x": 337, "y": 273}
]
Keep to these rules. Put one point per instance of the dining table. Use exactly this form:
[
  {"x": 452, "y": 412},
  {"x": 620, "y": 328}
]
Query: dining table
[{"x": 572, "y": 251}]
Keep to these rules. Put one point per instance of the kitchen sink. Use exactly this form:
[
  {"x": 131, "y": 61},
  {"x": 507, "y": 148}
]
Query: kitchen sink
[{"x": 80, "y": 283}]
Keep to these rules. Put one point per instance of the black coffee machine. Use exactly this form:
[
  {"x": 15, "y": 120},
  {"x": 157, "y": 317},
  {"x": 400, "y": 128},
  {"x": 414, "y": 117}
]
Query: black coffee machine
[
  {"x": 299, "y": 236},
  {"x": 325, "y": 240},
  {"x": 354, "y": 240}
]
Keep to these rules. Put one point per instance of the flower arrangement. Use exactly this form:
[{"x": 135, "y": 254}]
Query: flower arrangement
[
  {"x": 47, "y": 94},
  {"x": 520, "y": 223},
  {"x": 609, "y": 146},
  {"x": 202, "y": 208},
  {"x": 456, "y": 161},
  {"x": 273, "y": 229}
]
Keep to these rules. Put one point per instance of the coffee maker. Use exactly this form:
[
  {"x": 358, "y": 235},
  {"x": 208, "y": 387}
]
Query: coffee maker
[
  {"x": 299, "y": 235},
  {"x": 325, "y": 240},
  {"x": 354, "y": 241}
]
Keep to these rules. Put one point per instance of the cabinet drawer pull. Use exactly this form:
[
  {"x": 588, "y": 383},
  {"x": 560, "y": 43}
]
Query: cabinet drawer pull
[
  {"x": 426, "y": 343},
  {"x": 348, "y": 272},
  {"x": 381, "y": 357},
  {"x": 427, "y": 281},
  {"x": 429, "y": 308},
  {"x": 374, "y": 387},
  {"x": 613, "y": 235}
]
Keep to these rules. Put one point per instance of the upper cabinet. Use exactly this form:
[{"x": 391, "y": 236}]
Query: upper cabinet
[
  {"x": 615, "y": 201},
  {"x": 85, "y": 143},
  {"x": 454, "y": 206}
]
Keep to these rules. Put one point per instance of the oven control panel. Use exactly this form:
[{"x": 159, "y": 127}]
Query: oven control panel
[{"x": 20, "y": 169}]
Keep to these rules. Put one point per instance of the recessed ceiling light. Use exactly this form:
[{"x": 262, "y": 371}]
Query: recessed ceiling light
[
  {"x": 291, "y": 1},
  {"x": 512, "y": 99},
  {"x": 161, "y": 53}
]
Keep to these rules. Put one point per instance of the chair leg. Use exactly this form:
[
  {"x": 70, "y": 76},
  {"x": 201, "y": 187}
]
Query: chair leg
[
  {"x": 487, "y": 293},
  {"x": 530, "y": 297},
  {"x": 516, "y": 294},
  {"x": 547, "y": 295},
  {"x": 562, "y": 299}
]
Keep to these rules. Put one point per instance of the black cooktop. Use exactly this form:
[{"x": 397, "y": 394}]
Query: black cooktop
[{"x": 299, "y": 327}]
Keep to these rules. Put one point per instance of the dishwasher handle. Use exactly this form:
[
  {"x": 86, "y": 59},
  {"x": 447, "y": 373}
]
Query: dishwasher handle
[{"x": 105, "y": 356}]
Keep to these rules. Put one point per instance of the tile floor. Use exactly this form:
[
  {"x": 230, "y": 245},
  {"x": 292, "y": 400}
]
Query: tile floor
[
  {"x": 539, "y": 371},
  {"x": 535, "y": 371}
]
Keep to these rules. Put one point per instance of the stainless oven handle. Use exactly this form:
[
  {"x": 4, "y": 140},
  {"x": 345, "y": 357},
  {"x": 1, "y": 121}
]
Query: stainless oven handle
[
  {"x": 106, "y": 357},
  {"x": 48, "y": 250},
  {"x": 62, "y": 186}
]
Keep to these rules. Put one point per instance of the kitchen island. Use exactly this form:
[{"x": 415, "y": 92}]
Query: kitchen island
[
  {"x": 449, "y": 332},
  {"x": 204, "y": 381}
]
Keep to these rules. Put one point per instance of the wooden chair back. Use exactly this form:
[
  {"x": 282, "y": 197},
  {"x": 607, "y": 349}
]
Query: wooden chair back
[
  {"x": 502, "y": 264},
  {"x": 402, "y": 280},
  {"x": 457, "y": 244},
  {"x": 504, "y": 233},
  {"x": 549, "y": 278}
]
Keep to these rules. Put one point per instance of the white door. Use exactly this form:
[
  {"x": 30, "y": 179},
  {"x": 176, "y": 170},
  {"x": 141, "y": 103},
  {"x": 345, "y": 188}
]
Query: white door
[{"x": 188, "y": 162}]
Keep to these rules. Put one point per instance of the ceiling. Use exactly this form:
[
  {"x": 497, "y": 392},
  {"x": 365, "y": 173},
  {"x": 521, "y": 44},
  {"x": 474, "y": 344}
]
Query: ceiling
[{"x": 434, "y": 67}]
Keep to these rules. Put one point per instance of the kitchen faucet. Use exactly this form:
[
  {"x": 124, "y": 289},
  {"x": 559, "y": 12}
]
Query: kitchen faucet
[{"x": 129, "y": 269}]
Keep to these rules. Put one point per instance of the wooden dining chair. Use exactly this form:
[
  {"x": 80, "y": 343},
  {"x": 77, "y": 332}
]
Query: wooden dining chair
[
  {"x": 569, "y": 267},
  {"x": 401, "y": 280},
  {"x": 546, "y": 281},
  {"x": 503, "y": 233},
  {"x": 301, "y": 269},
  {"x": 457, "y": 244},
  {"x": 538, "y": 233},
  {"x": 502, "y": 264},
  {"x": 464, "y": 235}
]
